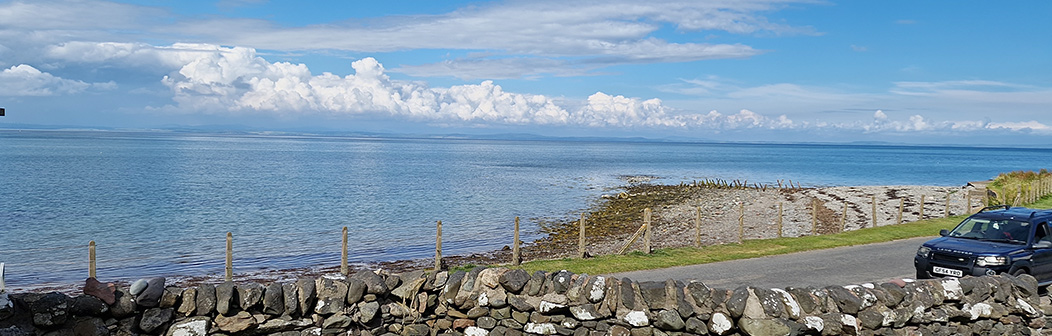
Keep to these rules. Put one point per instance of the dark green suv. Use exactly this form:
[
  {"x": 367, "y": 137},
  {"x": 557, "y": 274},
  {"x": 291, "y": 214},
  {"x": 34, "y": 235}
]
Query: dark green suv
[{"x": 1001, "y": 239}]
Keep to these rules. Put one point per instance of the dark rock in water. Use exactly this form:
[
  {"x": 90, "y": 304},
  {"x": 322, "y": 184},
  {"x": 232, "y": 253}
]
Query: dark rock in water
[
  {"x": 87, "y": 305},
  {"x": 514, "y": 280},
  {"x": 104, "y": 292},
  {"x": 249, "y": 295},
  {"x": 154, "y": 318},
  {"x": 124, "y": 305},
  {"x": 206, "y": 299},
  {"x": 307, "y": 294},
  {"x": 49, "y": 310},
  {"x": 90, "y": 326},
  {"x": 274, "y": 300},
  {"x": 374, "y": 283},
  {"x": 151, "y": 295},
  {"x": 137, "y": 287},
  {"x": 225, "y": 298}
]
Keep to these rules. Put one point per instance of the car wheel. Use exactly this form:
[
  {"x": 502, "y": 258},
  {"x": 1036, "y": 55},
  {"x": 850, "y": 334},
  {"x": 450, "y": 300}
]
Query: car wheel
[
  {"x": 922, "y": 275},
  {"x": 1019, "y": 272}
]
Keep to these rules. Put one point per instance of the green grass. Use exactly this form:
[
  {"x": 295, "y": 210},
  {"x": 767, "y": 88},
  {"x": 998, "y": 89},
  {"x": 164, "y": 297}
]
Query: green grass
[{"x": 663, "y": 258}]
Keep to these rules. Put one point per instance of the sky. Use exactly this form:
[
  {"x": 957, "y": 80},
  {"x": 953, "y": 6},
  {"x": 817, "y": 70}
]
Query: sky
[{"x": 938, "y": 72}]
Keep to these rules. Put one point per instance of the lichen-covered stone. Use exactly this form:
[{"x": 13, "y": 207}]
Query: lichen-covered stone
[
  {"x": 374, "y": 283},
  {"x": 736, "y": 303},
  {"x": 721, "y": 324},
  {"x": 206, "y": 299},
  {"x": 514, "y": 280},
  {"x": 249, "y": 295},
  {"x": 194, "y": 326},
  {"x": 154, "y": 318},
  {"x": 668, "y": 320},
  {"x": 332, "y": 295}
]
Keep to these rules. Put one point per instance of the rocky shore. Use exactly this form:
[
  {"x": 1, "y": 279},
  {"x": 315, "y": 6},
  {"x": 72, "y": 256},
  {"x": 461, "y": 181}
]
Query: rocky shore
[{"x": 613, "y": 219}]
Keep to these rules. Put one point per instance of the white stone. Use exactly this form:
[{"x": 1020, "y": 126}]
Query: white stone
[
  {"x": 598, "y": 289},
  {"x": 5, "y": 302},
  {"x": 334, "y": 276},
  {"x": 475, "y": 331},
  {"x": 794, "y": 307},
  {"x": 720, "y": 324},
  {"x": 539, "y": 328},
  {"x": 869, "y": 285},
  {"x": 1025, "y": 306},
  {"x": 637, "y": 318},
  {"x": 814, "y": 323},
  {"x": 193, "y": 327},
  {"x": 978, "y": 310},
  {"x": 952, "y": 289},
  {"x": 483, "y": 300},
  {"x": 849, "y": 321},
  {"x": 312, "y": 332},
  {"x": 546, "y": 307},
  {"x": 582, "y": 314}
]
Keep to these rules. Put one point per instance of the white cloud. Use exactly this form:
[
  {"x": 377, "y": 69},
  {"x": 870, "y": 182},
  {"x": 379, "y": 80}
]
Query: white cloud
[{"x": 25, "y": 80}]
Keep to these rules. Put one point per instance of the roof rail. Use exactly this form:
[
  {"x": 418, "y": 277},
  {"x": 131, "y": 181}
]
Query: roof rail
[{"x": 1005, "y": 206}]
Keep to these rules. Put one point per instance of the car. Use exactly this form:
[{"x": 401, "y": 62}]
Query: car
[{"x": 996, "y": 240}]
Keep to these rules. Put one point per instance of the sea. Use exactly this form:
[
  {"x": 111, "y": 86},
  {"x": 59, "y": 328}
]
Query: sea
[{"x": 160, "y": 203}]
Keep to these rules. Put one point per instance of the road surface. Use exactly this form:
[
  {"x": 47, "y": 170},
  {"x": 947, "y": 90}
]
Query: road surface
[{"x": 875, "y": 263}]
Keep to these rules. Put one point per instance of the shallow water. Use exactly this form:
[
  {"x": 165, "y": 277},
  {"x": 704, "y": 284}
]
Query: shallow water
[{"x": 161, "y": 203}]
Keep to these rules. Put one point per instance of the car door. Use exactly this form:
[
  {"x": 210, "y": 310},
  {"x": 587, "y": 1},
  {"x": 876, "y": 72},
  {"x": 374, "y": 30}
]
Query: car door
[{"x": 1042, "y": 257}]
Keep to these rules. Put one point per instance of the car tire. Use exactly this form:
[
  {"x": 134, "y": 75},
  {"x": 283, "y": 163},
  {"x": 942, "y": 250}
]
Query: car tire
[
  {"x": 1019, "y": 272},
  {"x": 922, "y": 275}
]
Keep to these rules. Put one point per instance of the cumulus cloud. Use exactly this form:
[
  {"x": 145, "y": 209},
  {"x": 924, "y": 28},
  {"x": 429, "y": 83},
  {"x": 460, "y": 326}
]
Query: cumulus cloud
[{"x": 25, "y": 80}]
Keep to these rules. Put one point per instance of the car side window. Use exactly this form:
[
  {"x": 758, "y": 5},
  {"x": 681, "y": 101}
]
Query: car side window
[{"x": 1042, "y": 233}]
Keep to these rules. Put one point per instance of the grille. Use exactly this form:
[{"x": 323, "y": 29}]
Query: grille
[{"x": 944, "y": 258}]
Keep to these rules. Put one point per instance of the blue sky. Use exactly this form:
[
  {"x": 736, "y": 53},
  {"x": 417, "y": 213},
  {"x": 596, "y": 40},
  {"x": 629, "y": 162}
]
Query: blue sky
[{"x": 957, "y": 72}]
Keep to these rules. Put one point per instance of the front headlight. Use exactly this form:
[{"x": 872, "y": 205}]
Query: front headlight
[
  {"x": 991, "y": 261},
  {"x": 924, "y": 251}
]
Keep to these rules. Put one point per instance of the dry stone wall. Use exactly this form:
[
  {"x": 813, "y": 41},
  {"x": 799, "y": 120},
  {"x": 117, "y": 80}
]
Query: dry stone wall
[{"x": 512, "y": 302}]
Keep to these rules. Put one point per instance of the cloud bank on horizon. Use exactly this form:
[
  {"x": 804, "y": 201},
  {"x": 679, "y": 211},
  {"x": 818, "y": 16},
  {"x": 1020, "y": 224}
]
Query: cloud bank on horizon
[{"x": 665, "y": 67}]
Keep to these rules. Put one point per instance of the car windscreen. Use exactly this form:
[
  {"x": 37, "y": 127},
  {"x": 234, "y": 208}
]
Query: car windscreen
[{"x": 992, "y": 229}]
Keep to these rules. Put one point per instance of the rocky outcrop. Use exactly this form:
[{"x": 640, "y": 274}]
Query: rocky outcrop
[{"x": 501, "y": 302}]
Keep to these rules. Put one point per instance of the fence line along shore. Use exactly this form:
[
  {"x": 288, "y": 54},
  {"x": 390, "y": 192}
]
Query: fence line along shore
[{"x": 753, "y": 212}]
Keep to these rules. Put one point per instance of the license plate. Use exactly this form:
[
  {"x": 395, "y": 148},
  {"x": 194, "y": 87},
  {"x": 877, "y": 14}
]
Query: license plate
[{"x": 947, "y": 271}]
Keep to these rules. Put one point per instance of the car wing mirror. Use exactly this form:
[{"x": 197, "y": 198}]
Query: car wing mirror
[{"x": 944, "y": 232}]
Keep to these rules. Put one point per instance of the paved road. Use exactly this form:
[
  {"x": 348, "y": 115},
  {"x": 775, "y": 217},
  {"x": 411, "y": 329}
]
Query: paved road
[{"x": 874, "y": 263}]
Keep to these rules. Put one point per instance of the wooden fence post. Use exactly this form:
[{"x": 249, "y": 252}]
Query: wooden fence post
[
  {"x": 922, "y": 208},
  {"x": 843, "y": 218},
  {"x": 343, "y": 255},
  {"x": 873, "y": 201},
  {"x": 647, "y": 234},
  {"x": 779, "y": 219},
  {"x": 3, "y": 286},
  {"x": 814, "y": 217},
  {"x": 697, "y": 227},
  {"x": 946, "y": 212},
  {"x": 741, "y": 222},
  {"x": 438, "y": 247},
  {"x": 902, "y": 203},
  {"x": 91, "y": 259},
  {"x": 516, "y": 258},
  {"x": 229, "y": 256},
  {"x": 580, "y": 239}
]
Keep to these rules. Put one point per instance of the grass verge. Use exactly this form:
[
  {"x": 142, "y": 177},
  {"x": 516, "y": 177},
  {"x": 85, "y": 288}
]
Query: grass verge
[{"x": 663, "y": 258}]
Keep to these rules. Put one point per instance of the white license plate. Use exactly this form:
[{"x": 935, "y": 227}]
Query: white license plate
[{"x": 947, "y": 271}]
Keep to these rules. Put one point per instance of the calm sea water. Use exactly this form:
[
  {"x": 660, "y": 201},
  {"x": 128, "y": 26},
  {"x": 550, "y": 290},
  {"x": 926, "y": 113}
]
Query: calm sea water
[{"x": 161, "y": 203}]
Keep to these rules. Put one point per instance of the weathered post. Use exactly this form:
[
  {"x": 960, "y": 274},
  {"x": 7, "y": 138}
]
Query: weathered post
[
  {"x": 3, "y": 286},
  {"x": 921, "y": 208},
  {"x": 647, "y": 234},
  {"x": 814, "y": 217},
  {"x": 779, "y": 219},
  {"x": 697, "y": 226},
  {"x": 438, "y": 247},
  {"x": 968, "y": 202},
  {"x": 843, "y": 218},
  {"x": 741, "y": 222},
  {"x": 516, "y": 258},
  {"x": 229, "y": 256},
  {"x": 343, "y": 255},
  {"x": 902, "y": 203},
  {"x": 873, "y": 201},
  {"x": 946, "y": 211},
  {"x": 91, "y": 259},
  {"x": 580, "y": 239}
]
